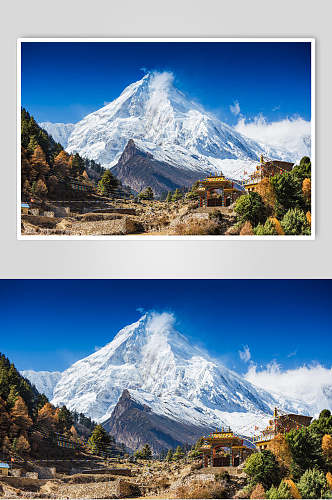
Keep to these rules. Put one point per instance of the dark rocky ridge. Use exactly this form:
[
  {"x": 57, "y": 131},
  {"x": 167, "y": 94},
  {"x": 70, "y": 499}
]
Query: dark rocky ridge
[
  {"x": 135, "y": 424},
  {"x": 138, "y": 169}
]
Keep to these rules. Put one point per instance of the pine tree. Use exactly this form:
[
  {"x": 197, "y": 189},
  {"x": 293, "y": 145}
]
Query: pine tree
[
  {"x": 107, "y": 184},
  {"x": 65, "y": 419},
  {"x": 99, "y": 439},
  {"x": 169, "y": 456},
  {"x": 146, "y": 194},
  {"x": 169, "y": 196},
  {"x": 177, "y": 195},
  {"x": 179, "y": 453}
]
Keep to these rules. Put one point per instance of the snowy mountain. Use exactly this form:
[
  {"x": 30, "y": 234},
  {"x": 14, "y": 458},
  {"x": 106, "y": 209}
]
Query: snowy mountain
[
  {"x": 59, "y": 131},
  {"x": 169, "y": 126},
  {"x": 163, "y": 371},
  {"x": 44, "y": 381}
]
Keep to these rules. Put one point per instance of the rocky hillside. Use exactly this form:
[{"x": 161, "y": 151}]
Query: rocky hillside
[
  {"x": 135, "y": 424},
  {"x": 139, "y": 169}
]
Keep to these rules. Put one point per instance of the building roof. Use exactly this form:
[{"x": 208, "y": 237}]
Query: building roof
[{"x": 3, "y": 465}]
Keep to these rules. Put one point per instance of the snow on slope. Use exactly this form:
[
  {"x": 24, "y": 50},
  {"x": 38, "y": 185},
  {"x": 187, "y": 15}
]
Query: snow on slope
[
  {"x": 161, "y": 368},
  {"x": 165, "y": 123},
  {"x": 59, "y": 131},
  {"x": 44, "y": 381}
]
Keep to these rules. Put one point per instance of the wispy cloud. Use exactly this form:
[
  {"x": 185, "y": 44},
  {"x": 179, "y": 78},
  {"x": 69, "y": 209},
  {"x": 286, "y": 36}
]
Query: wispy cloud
[
  {"x": 140, "y": 310},
  {"x": 235, "y": 108},
  {"x": 245, "y": 354},
  {"x": 310, "y": 384},
  {"x": 291, "y": 134}
]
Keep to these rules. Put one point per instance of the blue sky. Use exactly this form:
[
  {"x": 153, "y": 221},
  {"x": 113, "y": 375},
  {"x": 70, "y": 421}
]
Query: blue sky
[
  {"x": 49, "y": 324},
  {"x": 62, "y": 82}
]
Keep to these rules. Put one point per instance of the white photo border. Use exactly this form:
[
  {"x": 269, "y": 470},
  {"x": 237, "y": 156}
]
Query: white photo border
[{"x": 142, "y": 237}]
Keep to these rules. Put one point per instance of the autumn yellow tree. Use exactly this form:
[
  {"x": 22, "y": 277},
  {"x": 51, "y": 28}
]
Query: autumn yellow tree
[
  {"x": 62, "y": 164},
  {"x": 38, "y": 161},
  {"x": 258, "y": 491},
  {"x": 306, "y": 190},
  {"x": 265, "y": 190},
  {"x": 327, "y": 447},
  {"x": 47, "y": 416},
  {"x": 20, "y": 417},
  {"x": 280, "y": 448}
]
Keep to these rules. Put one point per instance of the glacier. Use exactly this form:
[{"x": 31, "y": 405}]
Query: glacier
[
  {"x": 44, "y": 381},
  {"x": 161, "y": 368},
  {"x": 166, "y": 123},
  {"x": 59, "y": 131}
]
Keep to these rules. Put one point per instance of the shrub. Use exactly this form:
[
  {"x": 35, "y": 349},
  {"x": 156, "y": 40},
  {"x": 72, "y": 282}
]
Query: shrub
[
  {"x": 313, "y": 484},
  {"x": 258, "y": 491},
  {"x": 263, "y": 468},
  {"x": 267, "y": 229},
  {"x": 295, "y": 222},
  {"x": 306, "y": 190},
  {"x": 283, "y": 491},
  {"x": 250, "y": 207}
]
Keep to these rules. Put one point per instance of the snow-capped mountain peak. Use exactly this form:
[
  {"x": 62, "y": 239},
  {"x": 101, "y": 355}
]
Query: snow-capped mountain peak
[
  {"x": 162, "y": 369},
  {"x": 170, "y": 126}
]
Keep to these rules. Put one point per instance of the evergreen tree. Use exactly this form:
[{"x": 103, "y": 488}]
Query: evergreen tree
[
  {"x": 251, "y": 208},
  {"x": 177, "y": 195},
  {"x": 169, "y": 196},
  {"x": 107, "y": 184},
  {"x": 147, "y": 194},
  {"x": 295, "y": 222},
  {"x": 65, "y": 419},
  {"x": 169, "y": 456},
  {"x": 99, "y": 439},
  {"x": 179, "y": 453},
  {"x": 263, "y": 468},
  {"x": 313, "y": 484}
]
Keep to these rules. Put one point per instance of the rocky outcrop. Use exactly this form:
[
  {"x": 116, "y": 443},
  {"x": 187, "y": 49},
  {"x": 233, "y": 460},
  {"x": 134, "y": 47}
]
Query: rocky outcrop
[
  {"x": 138, "y": 169},
  {"x": 135, "y": 424}
]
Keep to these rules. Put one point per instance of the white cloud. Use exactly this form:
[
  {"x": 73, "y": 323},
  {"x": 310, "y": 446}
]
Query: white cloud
[
  {"x": 309, "y": 384},
  {"x": 235, "y": 108},
  {"x": 107, "y": 102},
  {"x": 245, "y": 354},
  {"x": 291, "y": 134}
]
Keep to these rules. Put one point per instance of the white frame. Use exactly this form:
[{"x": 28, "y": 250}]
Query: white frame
[{"x": 142, "y": 237}]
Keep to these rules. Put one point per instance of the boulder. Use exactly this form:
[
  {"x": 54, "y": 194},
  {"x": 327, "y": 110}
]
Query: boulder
[{"x": 124, "y": 489}]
